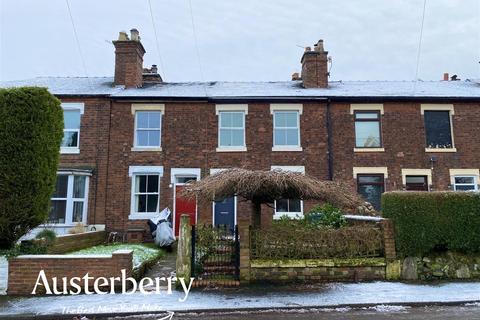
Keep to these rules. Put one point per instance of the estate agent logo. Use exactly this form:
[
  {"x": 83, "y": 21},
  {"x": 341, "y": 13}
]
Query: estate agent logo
[{"x": 128, "y": 285}]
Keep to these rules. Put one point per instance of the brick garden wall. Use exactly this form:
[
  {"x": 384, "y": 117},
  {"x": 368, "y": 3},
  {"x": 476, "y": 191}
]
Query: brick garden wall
[
  {"x": 368, "y": 269},
  {"x": 73, "y": 242},
  {"x": 24, "y": 270}
]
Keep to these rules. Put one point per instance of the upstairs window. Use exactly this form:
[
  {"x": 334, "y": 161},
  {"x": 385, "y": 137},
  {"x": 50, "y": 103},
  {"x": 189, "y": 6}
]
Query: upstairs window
[
  {"x": 231, "y": 129},
  {"x": 367, "y": 129},
  {"x": 465, "y": 183},
  {"x": 69, "y": 201},
  {"x": 72, "y": 113},
  {"x": 148, "y": 129},
  {"x": 286, "y": 129},
  {"x": 438, "y": 129}
]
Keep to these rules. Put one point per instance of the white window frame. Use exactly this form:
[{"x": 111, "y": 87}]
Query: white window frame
[
  {"x": 278, "y": 215},
  {"x": 237, "y": 108},
  {"x": 139, "y": 107},
  {"x": 73, "y": 106},
  {"x": 135, "y": 171},
  {"x": 440, "y": 107},
  {"x": 474, "y": 184},
  {"x": 70, "y": 200},
  {"x": 279, "y": 108}
]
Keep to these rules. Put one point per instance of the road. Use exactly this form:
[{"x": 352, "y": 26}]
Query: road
[{"x": 464, "y": 312}]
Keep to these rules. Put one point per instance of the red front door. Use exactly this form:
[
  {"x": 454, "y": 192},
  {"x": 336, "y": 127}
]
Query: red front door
[{"x": 183, "y": 206}]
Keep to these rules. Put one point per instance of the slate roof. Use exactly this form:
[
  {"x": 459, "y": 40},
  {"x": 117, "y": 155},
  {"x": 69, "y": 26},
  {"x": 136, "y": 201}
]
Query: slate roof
[{"x": 280, "y": 89}]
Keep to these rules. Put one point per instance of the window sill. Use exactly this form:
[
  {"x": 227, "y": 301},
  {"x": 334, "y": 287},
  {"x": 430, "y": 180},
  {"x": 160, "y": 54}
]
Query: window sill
[
  {"x": 143, "y": 149},
  {"x": 368, "y": 149},
  {"x": 65, "y": 150},
  {"x": 292, "y": 215},
  {"x": 142, "y": 216},
  {"x": 287, "y": 148},
  {"x": 440, "y": 149},
  {"x": 231, "y": 149}
]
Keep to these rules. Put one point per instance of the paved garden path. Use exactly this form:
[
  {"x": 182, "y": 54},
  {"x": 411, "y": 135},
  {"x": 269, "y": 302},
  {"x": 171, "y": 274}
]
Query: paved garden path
[{"x": 165, "y": 267}]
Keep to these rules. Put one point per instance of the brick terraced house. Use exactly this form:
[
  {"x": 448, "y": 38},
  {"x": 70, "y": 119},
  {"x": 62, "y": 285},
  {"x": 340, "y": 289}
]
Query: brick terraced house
[{"x": 132, "y": 142}]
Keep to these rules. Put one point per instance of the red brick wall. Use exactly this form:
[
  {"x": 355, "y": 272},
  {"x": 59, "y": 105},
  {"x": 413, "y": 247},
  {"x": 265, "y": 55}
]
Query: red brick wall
[
  {"x": 403, "y": 135},
  {"x": 191, "y": 141},
  {"x": 94, "y": 133},
  {"x": 23, "y": 270}
]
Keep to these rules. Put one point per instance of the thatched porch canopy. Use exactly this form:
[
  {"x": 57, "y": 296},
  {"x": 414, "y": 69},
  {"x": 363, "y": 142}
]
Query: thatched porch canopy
[{"x": 267, "y": 186}]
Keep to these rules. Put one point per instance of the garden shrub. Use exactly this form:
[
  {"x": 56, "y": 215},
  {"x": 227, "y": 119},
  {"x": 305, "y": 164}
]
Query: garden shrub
[
  {"x": 327, "y": 216},
  {"x": 48, "y": 236},
  {"x": 434, "y": 221},
  {"x": 31, "y": 129}
]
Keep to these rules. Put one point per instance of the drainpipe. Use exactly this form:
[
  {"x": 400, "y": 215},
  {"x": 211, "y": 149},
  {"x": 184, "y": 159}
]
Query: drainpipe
[{"x": 329, "y": 141}]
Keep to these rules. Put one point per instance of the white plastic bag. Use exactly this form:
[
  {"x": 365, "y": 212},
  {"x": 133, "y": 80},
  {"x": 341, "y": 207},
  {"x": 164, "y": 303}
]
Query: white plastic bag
[{"x": 163, "y": 234}]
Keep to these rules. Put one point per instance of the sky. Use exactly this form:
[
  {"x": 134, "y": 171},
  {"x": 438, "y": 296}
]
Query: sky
[{"x": 243, "y": 40}]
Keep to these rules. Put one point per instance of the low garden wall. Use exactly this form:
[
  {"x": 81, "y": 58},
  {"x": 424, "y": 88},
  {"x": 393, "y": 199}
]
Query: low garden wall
[
  {"x": 312, "y": 270},
  {"x": 24, "y": 270},
  {"x": 72, "y": 242},
  {"x": 363, "y": 252}
]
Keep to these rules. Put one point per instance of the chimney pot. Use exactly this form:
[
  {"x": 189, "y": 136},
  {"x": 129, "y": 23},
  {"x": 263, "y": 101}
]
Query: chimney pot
[
  {"x": 319, "y": 46},
  {"x": 308, "y": 49},
  {"x": 122, "y": 36},
  {"x": 135, "y": 35},
  {"x": 154, "y": 68},
  {"x": 446, "y": 76},
  {"x": 295, "y": 76}
]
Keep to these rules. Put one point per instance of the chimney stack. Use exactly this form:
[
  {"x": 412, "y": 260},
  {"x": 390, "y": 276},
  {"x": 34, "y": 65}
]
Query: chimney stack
[
  {"x": 129, "y": 60},
  {"x": 315, "y": 67},
  {"x": 446, "y": 76}
]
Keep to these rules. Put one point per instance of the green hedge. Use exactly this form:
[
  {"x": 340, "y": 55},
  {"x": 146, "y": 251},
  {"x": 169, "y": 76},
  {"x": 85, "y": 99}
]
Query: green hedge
[
  {"x": 429, "y": 221},
  {"x": 31, "y": 130}
]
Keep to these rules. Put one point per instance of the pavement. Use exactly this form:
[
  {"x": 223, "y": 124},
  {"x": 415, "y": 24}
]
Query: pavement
[
  {"x": 244, "y": 299},
  {"x": 378, "y": 312}
]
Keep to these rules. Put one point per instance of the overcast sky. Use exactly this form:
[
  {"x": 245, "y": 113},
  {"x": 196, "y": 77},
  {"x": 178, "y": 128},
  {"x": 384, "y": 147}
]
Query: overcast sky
[{"x": 244, "y": 39}]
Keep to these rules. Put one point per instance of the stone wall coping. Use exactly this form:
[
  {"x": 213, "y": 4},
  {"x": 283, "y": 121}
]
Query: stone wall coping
[
  {"x": 123, "y": 251},
  {"x": 73, "y": 235},
  {"x": 363, "y": 218},
  {"x": 63, "y": 256},
  {"x": 80, "y": 256},
  {"x": 312, "y": 263}
]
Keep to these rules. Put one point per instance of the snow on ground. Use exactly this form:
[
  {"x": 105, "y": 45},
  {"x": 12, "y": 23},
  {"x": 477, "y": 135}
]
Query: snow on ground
[
  {"x": 141, "y": 252},
  {"x": 334, "y": 296}
]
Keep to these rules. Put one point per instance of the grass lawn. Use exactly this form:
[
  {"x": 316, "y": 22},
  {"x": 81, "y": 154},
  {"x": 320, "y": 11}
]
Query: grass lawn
[{"x": 141, "y": 251}]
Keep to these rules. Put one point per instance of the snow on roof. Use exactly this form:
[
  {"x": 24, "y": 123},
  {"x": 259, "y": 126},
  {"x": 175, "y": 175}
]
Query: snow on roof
[{"x": 219, "y": 89}]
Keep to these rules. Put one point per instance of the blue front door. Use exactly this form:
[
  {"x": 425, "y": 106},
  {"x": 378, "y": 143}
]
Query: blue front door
[{"x": 225, "y": 212}]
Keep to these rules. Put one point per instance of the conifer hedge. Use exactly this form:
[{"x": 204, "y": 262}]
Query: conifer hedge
[
  {"x": 31, "y": 130},
  {"x": 433, "y": 221}
]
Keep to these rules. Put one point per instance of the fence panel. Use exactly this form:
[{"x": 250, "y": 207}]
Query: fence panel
[{"x": 287, "y": 242}]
